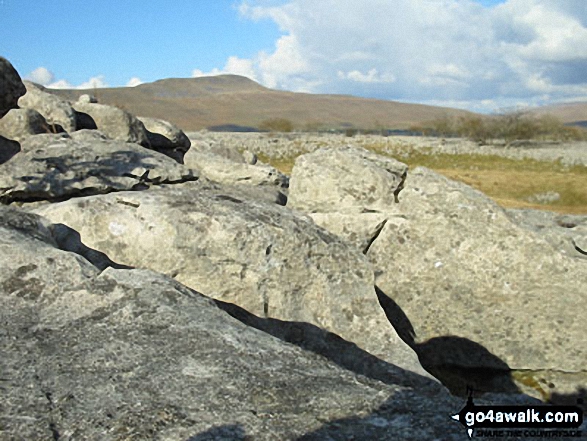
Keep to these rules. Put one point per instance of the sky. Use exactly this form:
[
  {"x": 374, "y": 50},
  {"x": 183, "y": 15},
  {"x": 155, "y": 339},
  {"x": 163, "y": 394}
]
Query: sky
[{"x": 482, "y": 55}]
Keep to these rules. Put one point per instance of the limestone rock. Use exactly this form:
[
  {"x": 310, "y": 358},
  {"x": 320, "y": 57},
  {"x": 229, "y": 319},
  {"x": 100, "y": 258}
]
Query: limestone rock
[
  {"x": 218, "y": 150},
  {"x": 259, "y": 256},
  {"x": 115, "y": 123},
  {"x": 18, "y": 124},
  {"x": 53, "y": 167},
  {"x": 11, "y": 87},
  {"x": 85, "y": 98},
  {"x": 122, "y": 354},
  {"x": 56, "y": 111},
  {"x": 250, "y": 157},
  {"x": 456, "y": 265},
  {"x": 222, "y": 170},
  {"x": 359, "y": 229},
  {"x": 345, "y": 179},
  {"x": 567, "y": 233},
  {"x": 166, "y": 138}
]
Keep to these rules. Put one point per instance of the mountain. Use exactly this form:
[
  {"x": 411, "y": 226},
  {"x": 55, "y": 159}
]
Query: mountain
[
  {"x": 197, "y": 103},
  {"x": 569, "y": 113}
]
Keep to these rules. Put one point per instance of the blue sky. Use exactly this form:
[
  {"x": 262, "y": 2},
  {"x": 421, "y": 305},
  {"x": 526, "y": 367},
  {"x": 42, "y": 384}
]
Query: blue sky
[{"x": 483, "y": 55}]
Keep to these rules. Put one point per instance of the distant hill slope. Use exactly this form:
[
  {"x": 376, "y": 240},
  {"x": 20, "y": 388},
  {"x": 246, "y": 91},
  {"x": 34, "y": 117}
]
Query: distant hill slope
[
  {"x": 197, "y": 103},
  {"x": 571, "y": 113}
]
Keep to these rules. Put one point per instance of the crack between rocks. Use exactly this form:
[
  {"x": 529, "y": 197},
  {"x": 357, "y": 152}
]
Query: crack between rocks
[
  {"x": 400, "y": 187},
  {"x": 139, "y": 186},
  {"x": 52, "y": 426},
  {"x": 578, "y": 249},
  {"x": 378, "y": 230}
]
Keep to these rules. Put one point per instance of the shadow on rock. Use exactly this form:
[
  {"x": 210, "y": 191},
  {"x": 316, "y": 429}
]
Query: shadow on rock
[
  {"x": 457, "y": 362},
  {"x": 8, "y": 149},
  {"x": 327, "y": 344},
  {"x": 229, "y": 433},
  {"x": 577, "y": 398},
  {"x": 68, "y": 239}
]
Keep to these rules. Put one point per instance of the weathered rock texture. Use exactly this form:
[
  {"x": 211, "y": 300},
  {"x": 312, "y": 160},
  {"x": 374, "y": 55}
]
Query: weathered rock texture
[
  {"x": 19, "y": 124},
  {"x": 225, "y": 171},
  {"x": 11, "y": 87},
  {"x": 166, "y": 138},
  {"x": 132, "y": 354},
  {"x": 115, "y": 123},
  {"x": 258, "y": 256},
  {"x": 463, "y": 284},
  {"x": 53, "y": 167},
  {"x": 482, "y": 277},
  {"x": 56, "y": 112},
  {"x": 567, "y": 233},
  {"x": 345, "y": 179}
]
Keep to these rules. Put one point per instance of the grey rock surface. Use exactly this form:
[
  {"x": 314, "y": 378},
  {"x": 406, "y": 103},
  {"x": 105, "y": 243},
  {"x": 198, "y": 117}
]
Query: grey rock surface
[
  {"x": 223, "y": 150},
  {"x": 259, "y": 256},
  {"x": 19, "y": 124},
  {"x": 53, "y": 167},
  {"x": 132, "y": 354},
  {"x": 345, "y": 179},
  {"x": 166, "y": 138},
  {"x": 115, "y": 123},
  {"x": 225, "y": 171},
  {"x": 11, "y": 87},
  {"x": 56, "y": 111},
  {"x": 566, "y": 232},
  {"x": 86, "y": 98},
  {"x": 465, "y": 276},
  {"x": 359, "y": 229},
  {"x": 250, "y": 157}
]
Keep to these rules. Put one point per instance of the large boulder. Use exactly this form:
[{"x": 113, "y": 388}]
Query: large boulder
[
  {"x": 122, "y": 354},
  {"x": 57, "y": 112},
  {"x": 166, "y": 138},
  {"x": 474, "y": 293},
  {"x": 11, "y": 87},
  {"x": 259, "y": 256},
  {"x": 456, "y": 265},
  {"x": 225, "y": 171},
  {"x": 54, "y": 167},
  {"x": 19, "y": 124},
  {"x": 345, "y": 179},
  {"x": 115, "y": 123}
]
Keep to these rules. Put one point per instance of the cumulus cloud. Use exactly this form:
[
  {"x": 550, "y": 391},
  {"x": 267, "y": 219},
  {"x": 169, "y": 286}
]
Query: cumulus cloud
[
  {"x": 45, "y": 77},
  {"x": 370, "y": 77},
  {"x": 93, "y": 83},
  {"x": 441, "y": 51},
  {"x": 41, "y": 75},
  {"x": 234, "y": 66},
  {"x": 134, "y": 81},
  {"x": 61, "y": 84}
]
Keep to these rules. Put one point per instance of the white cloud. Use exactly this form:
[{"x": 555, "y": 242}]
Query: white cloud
[
  {"x": 442, "y": 51},
  {"x": 45, "y": 77},
  {"x": 93, "y": 83},
  {"x": 370, "y": 77},
  {"x": 41, "y": 75},
  {"x": 233, "y": 66},
  {"x": 61, "y": 84},
  {"x": 134, "y": 81}
]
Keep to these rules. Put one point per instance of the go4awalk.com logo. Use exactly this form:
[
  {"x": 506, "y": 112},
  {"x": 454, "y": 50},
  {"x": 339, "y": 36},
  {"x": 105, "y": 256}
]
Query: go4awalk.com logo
[{"x": 522, "y": 421}]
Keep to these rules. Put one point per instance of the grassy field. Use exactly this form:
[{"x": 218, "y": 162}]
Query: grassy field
[{"x": 512, "y": 183}]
